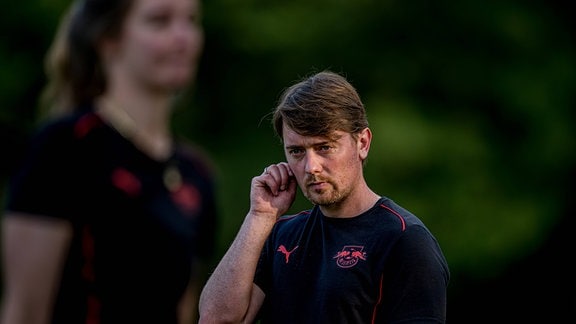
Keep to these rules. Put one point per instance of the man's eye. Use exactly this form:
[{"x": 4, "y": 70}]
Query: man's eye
[
  {"x": 295, "y": 151},
  {"x": 324, "y": 148}
]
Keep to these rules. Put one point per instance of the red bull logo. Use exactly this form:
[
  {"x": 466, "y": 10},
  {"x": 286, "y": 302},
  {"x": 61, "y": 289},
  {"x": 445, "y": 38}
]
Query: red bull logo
[{"x": 349, "y": 256}]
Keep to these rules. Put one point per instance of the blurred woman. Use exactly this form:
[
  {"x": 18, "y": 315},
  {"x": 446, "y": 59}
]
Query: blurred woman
[{"x": 111, "y": 217}]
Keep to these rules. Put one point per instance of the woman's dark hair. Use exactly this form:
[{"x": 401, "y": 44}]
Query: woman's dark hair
[
  {"x": 73, "y": 67},
  {"x": 319, "y": 105}
]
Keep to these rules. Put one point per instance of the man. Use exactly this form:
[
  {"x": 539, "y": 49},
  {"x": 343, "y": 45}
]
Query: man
[{"x": 354, "y": 257}]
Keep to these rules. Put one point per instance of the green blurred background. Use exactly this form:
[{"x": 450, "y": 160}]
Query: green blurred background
[{"x": 471, "y": 103}]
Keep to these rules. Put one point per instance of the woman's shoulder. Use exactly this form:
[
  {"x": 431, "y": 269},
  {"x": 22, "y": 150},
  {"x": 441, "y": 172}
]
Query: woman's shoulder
[
  {"x": 62, "y": 135},
  {"x": 74, "y": 125}
]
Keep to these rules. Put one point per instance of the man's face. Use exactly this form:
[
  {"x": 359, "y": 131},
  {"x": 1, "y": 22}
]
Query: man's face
[{"x": 326, "y": 169}]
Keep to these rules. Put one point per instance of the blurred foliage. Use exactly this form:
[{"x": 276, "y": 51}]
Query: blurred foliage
[{"x": 471, "y": 104}]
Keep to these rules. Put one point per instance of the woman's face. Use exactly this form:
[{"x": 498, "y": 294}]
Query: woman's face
[{"x": 159, "y": 45}]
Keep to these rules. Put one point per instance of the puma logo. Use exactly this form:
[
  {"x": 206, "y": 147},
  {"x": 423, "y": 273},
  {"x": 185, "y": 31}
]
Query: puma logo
[{"x": 287, "y": 253}]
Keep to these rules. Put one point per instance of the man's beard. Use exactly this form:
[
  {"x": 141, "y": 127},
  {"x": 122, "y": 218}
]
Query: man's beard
[{"x": 327, "y": 197}]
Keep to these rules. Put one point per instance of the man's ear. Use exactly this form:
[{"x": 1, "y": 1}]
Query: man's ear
[{"x": 364, "y": 140}]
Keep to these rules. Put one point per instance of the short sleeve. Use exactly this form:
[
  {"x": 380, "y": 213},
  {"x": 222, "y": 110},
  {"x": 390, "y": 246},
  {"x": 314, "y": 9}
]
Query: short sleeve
[
  {"x": 415, "y": 280},
  {"x": 44, "y": 184}
]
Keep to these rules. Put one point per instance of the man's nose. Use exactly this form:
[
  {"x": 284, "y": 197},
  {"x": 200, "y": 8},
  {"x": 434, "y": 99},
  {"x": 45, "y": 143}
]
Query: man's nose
[{"x": 313, "y": 163}]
